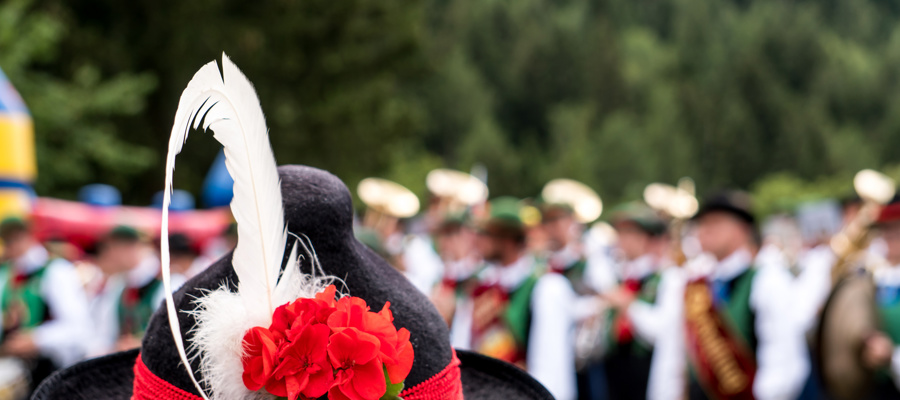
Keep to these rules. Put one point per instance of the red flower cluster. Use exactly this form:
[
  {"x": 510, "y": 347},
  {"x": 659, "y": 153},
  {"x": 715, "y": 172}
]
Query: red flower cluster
[{"x": 317, "y": 346}]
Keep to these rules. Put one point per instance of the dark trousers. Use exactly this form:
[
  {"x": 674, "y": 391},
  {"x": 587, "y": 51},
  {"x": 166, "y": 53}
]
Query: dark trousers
[{"x": 628, "y": 372}]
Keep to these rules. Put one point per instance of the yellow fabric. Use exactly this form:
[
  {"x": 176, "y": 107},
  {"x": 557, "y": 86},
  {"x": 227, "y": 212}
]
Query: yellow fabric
[
  {"x": 17, "y": 159},
  {"x": 14, "y": 203}
]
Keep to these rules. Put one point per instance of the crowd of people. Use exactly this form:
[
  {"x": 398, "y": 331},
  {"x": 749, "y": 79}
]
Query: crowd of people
[
  {"x": 62, "y": 304},
  {"x": 648, "y": 303}
]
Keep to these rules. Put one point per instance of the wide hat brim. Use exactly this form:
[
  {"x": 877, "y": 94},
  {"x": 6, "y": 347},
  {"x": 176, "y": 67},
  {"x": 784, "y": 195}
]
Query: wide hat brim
[{"x": 111, "y": 378}]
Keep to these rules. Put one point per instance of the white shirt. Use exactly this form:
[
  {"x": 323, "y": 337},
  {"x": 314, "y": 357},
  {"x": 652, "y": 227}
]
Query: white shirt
[
  {"x": 424, "y": 267},
  {"x": 648, "y": 318},
  {"x": 599, "y": 273},
  {"x": 63, "y": 338},
  {"x": 782, "y": 366},
  {"x": 813, "y": 286},
  {"x": 508, "y": 277},
  {"x": 104, "y": 308},
  {"x": 551, "y": 341}
]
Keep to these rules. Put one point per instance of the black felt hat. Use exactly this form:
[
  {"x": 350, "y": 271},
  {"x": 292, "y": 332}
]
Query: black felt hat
[
  {"x": 734, "y": 202},
  {"x": 318, "y": 205}
]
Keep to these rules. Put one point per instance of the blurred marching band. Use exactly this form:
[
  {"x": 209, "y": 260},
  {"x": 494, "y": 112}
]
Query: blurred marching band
[{"x": 664, "y": 297}]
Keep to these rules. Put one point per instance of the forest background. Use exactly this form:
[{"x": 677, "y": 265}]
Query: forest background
[{"x": 784, "y": 98}]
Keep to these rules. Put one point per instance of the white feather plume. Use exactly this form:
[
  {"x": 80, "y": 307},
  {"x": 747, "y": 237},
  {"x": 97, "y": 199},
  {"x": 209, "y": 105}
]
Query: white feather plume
[{"x": 229, "y": 106}]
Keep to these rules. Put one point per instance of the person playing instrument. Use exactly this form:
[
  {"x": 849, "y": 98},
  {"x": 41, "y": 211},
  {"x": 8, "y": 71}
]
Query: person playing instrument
[
  {"x": 641, "y": 246},
  {"x": 517, "y": 313},
  {"x": 45, "y": 311},
  {"x": 454, "y": 240},
  {"x": 733, "y": 323},
  {"x": 882, "y": 349},
  {"x": 565, "y": 251}
]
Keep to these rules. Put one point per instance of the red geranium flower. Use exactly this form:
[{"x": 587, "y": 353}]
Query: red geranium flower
[
  {"x": 400, "y": 364},
  {"x": 326, "y": 297},
  {"x": 304, "y": 311},
  {"x": 305, "y": 368},
  {"x": 395, "y": 350},
  {"x": 358, "y": 371},
  {"x": 260, "y": 357},
  {"x": 322, "y": 345}
]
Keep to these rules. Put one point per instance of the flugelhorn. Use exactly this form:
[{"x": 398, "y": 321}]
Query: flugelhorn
[
  {"x": 875, "y": 189},
  {"x": 679, "y": 203}
]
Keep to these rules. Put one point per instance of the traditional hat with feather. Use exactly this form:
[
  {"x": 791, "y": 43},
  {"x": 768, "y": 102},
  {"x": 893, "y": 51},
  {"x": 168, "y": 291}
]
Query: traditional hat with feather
[{"x": 276, "y": 318}]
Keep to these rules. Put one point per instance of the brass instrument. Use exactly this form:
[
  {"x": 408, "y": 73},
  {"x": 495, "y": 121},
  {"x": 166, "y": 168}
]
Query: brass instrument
[
  {"x": 876, "y": 190},
  {"x": 850, "y": 314},
  {"x": 455, "y": 190},
  {"x": 386, "y": 202},
  {"x": 584, "y": 201},
  {"x": 680, "y": 204},
  {"x": 586, "y": 207}
]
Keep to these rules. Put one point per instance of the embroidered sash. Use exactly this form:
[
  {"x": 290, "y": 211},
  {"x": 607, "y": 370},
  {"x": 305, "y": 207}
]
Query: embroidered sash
[{"x": 723, "y": 363}]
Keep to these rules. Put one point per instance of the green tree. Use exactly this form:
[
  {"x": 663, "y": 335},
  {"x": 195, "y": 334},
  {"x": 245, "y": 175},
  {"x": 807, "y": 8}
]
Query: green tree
[{"x": 77, "y": 139}]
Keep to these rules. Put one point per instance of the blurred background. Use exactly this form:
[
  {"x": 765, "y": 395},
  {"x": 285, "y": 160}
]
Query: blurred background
[{"x": 787, "y": 99}]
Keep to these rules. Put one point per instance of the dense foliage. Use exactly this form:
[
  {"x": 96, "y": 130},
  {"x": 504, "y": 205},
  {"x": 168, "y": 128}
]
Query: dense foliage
[{"x": 616, "y": 93}]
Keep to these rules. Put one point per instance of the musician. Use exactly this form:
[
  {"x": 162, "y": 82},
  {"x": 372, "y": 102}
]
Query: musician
[
  {"x": 388, "y": 205},
  {"x": 640, "y": 249},
  {"x": 45, "y": 312},
  {"x": 517, "y": 313},
  {"x": 882, "y": 349},
  {"x": 733, "y": 325},
  {"x": 565, "y": 251},
  {"x": 116, "y": 254},
  {"x": 455, "y": 242}
]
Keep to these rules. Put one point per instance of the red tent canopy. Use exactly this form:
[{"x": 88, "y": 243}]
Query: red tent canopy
[{"x": 82, "y": 224}]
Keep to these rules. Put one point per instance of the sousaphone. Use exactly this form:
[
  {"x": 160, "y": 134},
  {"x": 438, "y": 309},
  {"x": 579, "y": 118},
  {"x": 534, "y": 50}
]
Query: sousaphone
[{"x": 850, "y": 314}]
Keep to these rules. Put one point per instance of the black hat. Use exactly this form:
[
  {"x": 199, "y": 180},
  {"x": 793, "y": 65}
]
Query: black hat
[
  {"x": 318, "y": 205},
  {"x": 734, "y": 202}
]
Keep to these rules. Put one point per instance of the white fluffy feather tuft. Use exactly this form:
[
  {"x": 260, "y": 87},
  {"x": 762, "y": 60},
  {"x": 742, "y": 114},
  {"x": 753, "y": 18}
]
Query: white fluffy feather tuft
[{"x": 222, "y": 319}]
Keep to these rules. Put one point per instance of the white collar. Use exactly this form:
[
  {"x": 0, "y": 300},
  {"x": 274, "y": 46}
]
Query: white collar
[
  {"x": 147, "y": 269},
  {"x": 33, "y": 259},
  {"x": 638, "y": 268},
  {"x": 733, "y": 265},
  {"x": 887, "y": 276},
  {"x": 509, "y": 277},
  {"x": 565, "y": 257}
]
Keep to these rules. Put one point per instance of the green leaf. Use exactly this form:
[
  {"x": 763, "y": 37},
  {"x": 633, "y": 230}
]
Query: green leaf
[{"x": 393, "y": 389}]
